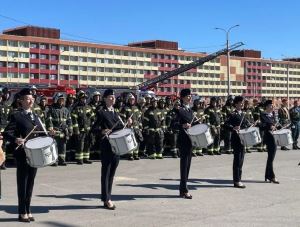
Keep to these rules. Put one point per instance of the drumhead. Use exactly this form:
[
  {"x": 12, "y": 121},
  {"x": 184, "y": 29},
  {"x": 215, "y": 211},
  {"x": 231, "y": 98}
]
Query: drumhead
[
  {"x": 247, "y": 130},
  {"x": 120, "y": 133},
  {"x": 39, "y": 142},
  {"x": 282, "y": 131},
  {"x": 198, "y": 129}
]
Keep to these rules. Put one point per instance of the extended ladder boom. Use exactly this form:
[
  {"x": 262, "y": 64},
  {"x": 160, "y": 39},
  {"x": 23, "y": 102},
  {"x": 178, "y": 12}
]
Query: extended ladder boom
[{"x": 187, "y": 67}]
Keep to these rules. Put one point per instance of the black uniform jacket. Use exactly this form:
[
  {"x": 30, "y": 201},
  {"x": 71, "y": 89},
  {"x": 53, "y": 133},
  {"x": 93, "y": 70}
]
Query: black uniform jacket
[
  {"x": 184, "y": 115},
  {"x": 236, "y": 119},
  {"x": 19, "y": 126},
  {"x": 106, "y": 120}
]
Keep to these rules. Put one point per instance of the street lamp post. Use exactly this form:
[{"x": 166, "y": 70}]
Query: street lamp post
[{"x": 228, "y": 56}]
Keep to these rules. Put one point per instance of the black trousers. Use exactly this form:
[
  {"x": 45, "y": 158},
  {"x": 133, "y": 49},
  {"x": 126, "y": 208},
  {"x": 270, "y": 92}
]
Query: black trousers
[
  {"x": 238, "y": 157},
  {"x": 25, "y": 183},
  {"x": 271, "y": 148},
  {"x": 110, "y": 162},
  {"x": 185, "y": 164}
]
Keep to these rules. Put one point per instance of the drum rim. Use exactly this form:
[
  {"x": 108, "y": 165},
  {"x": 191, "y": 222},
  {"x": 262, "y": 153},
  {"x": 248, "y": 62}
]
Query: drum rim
[
  {"x": 52, "y": 141},
  {"x": 194, "y": 126}
]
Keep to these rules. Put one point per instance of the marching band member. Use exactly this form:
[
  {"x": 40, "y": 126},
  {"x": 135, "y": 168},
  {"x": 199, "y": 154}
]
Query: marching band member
[
  {"x": 268, "y": 124},
  {"x": 108, "y": 120},
  {"x": 2, "y": 159},
  {"x": 235, "y": 122},
  {"x": 21, "y": 124},
  {"x": 182, "y": 122}
]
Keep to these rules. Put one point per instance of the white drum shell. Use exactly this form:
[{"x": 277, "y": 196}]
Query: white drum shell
[
  {"x": 200, "y": 136},
  {"x": 41, "y": 151},
  {"x": 283, "y": 137},
  {"x": 250, "y": 136},
  {"x": 123, "y": 141}
]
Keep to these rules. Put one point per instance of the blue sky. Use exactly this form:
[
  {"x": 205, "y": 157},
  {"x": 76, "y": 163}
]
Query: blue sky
[{"x": 269, "y": 26}]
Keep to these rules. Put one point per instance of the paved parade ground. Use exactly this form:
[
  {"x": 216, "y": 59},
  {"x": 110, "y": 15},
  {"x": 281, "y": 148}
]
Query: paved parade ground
[{"x": 146, "y": 194}]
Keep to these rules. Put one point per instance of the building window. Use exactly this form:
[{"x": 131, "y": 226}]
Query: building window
[
  {"x": 43, "y": 66},
  {"x": 43, "y": 46},
  {"x": 53, "y": 67},
  {"x": 33, "y": 45},
  {"x": 43, "y": 56},
  {"x": 12, "y": 43}
]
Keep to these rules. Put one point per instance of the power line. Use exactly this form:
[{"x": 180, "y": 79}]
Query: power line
[{"x": 63, "y": 33}]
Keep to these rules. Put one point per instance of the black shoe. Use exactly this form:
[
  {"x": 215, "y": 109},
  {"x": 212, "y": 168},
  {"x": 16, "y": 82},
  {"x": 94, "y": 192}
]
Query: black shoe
[
  {"x": 62, "y": 163},
  {"x": 86, "y": 161},
  {"x": 113, "y": 207},
  {"x": 273, "y": 180},
  {"x": 130, "y": 158},
  {"x": 136, "y": 158},
  {"x": 200, "y": 154},
  {"x": 31, "y": 218},
  {"x": 248, "y": 151},
  {"x": 79, "y": 162},
  {"x": 285, "y": 149},
  {"x": 54, "y": 164},
  {"x": 186, "y": 195},
  {"x": 219, "y": 153},
  {"x": 174, "y": 156},
  {"x": 21, "y": 219},
  {"x": 239, "y": 185},
  {"x": 3, "y": 167},
  {"x": 194, "y": 154}
]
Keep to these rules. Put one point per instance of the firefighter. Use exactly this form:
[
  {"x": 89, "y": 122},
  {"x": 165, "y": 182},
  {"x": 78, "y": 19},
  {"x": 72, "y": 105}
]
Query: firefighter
[
  {"x": 70, "y": 102},
  {"x": 142, "y": 109},
  {"x": 148, "y": 100},
  {"x": 258, "y": 110},
  {"x": 284, "y": 118},
  {"x": 36, "y": 108},
  {"x": 4, "y": 120},
  {"x": 227, "y": 109},
  {"x": 248, "y": 110},
  {"x": 43, "y": 105},
  {"x": 169, "y": 104},
  {"x": 172, "y": 133},
  {"x": 152, "y": 124},
  {"x": 60, "y": 123},
  {"x": 119, "y": 104},
  {"x": 95, "y": 104},
  {"x": 295, "y": 120},
  {"x": 162, "y": 107},
  {"x": 95, "y": 100},
  {"x": 81, "y": 119},
  {"x": 130, "y": 110},
  {"x": 214, "y": 118},
  {"x": 198, "y": 111}
]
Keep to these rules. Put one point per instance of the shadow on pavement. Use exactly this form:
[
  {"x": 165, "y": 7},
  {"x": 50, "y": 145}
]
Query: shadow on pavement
[
  {"x": 212, "y": 181},
  {"x": 13, "y": 209}
]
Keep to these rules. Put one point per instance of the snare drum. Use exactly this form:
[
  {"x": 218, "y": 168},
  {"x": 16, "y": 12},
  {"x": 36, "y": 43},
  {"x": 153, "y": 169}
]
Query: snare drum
[
  {"x": 283, "y": 137},
  {"x": 122, "y": 141},
  {"x": 250, "y": 136},
  {"x": 41, "y": 151},
  {"x": 200, "y": 135}
]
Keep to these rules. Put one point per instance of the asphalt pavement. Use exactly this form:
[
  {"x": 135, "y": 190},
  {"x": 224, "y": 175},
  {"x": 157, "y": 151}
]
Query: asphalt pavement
[{"x": 146, "y": 194}]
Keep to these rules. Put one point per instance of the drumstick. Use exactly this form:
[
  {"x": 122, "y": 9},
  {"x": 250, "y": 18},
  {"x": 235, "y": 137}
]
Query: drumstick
[
  {"x": 242, "y": 120},
  {"x": 27, "y": 136},
  {"x": 127, "y": 121},
  {"x": 106, "y": 134}
]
